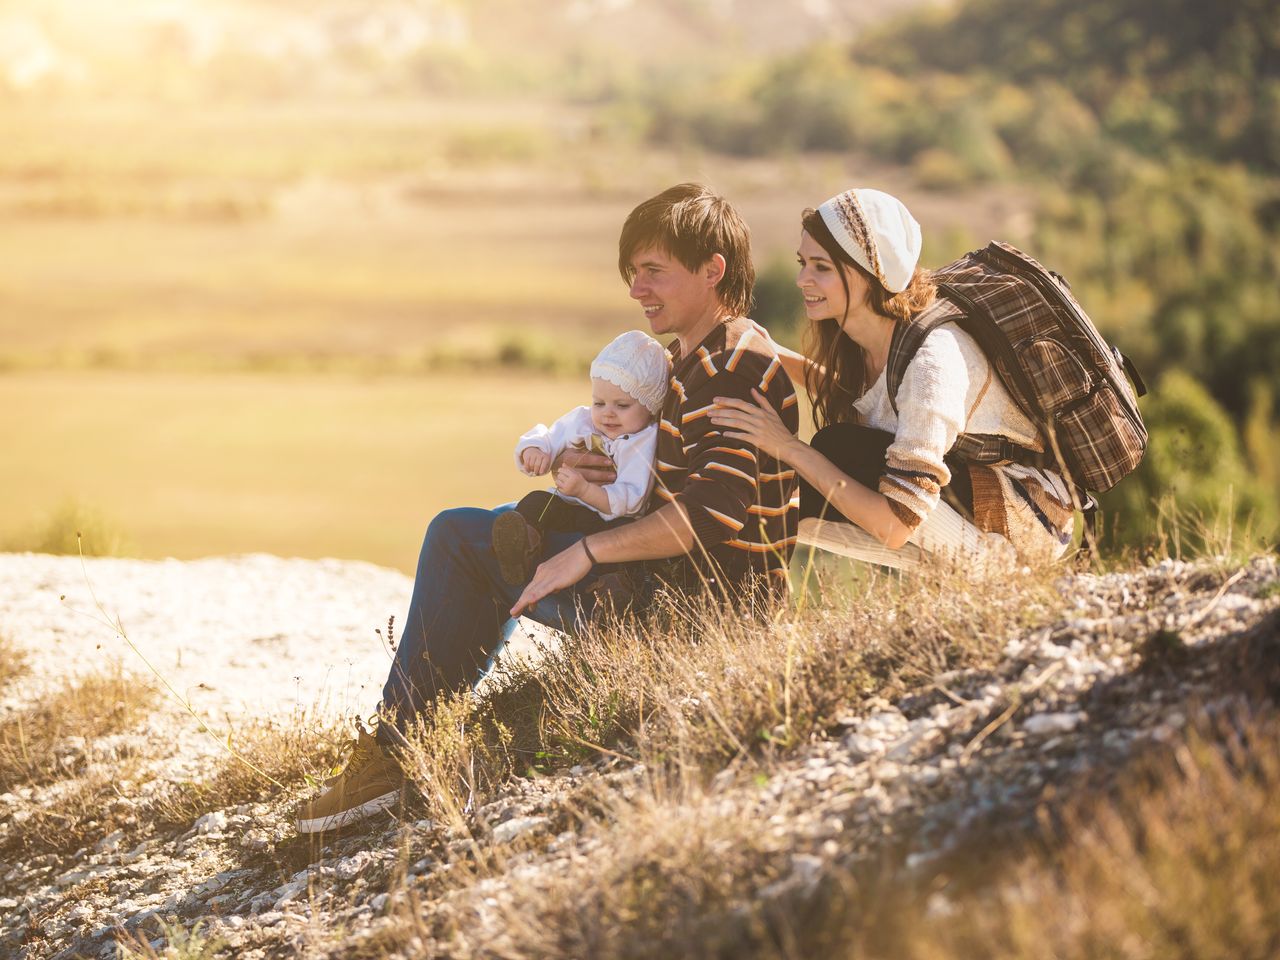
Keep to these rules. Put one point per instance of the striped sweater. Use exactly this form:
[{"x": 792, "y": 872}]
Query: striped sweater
[{"x": 742, "y": 504}]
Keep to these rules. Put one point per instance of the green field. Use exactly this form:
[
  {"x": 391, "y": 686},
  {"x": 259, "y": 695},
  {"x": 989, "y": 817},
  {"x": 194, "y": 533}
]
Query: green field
[
  {"x": 305, "y": 327},
  {"x": 193, "y": 465},
  {"x": 358, "y": 236}
]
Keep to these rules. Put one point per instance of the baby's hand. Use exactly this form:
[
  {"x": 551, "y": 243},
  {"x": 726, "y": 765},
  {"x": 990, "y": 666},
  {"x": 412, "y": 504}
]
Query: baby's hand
[
  {"x": 570, "y": 481},
  {"x": 535, "y": 461}
]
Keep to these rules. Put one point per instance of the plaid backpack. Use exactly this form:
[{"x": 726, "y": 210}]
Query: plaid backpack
[{"x": 1050, "y": 357}]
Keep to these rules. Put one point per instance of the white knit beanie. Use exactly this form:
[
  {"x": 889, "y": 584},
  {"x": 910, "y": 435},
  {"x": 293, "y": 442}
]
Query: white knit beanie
[
  {"x": 637, "y": 364},
  {"x": 878, "y": 232}
]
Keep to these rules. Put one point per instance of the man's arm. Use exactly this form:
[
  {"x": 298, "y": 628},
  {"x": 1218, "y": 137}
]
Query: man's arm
[{"x": 664, "y": 533}]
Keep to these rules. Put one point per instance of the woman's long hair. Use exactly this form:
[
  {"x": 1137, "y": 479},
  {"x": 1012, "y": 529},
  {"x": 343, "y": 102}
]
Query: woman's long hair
[{"x": 839, "y": 377}]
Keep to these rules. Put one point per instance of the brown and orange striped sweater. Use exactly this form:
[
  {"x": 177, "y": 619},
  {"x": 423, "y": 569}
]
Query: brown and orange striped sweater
[{"x": 742, "y": 504}]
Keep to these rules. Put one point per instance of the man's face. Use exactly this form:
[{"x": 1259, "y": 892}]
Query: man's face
[{"x": 675, "y": 299}]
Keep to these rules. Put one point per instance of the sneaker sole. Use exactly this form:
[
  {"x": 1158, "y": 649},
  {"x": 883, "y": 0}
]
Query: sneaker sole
[
  {"x": 510, "y": 544},
  {"x": 362, "y": 812}
]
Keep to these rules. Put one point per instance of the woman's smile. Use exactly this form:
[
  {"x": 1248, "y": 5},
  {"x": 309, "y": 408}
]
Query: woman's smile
[{"x": 819, "y": 280}]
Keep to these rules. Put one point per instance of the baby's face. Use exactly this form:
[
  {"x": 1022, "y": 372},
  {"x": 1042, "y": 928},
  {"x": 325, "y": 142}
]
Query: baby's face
[{"x": 614, "y": 412}]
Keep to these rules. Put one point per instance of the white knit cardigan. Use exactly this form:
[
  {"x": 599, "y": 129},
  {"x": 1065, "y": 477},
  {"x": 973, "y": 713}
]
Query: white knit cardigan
[{"x": 949, "y": 388}]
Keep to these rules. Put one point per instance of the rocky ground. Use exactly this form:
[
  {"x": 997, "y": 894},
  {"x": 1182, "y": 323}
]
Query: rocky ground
[{"x": 976, "y": 753}]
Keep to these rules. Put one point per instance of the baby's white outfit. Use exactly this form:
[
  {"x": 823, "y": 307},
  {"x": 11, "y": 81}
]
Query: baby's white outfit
[{"x": 632, "y": 454}]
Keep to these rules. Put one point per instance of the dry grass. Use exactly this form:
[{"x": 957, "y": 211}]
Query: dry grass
[
  {"x": 296, "y": 752},
  {"x": 57, "y": 744},
  {"x": 77, "y": 782},
  {"x": 1181, "y": 865},
  {"x": 65, "y": 723},
  {"x": 1176, "y": 860},
  {"x": 673, "y": 875},
  {"x": 179, "y": 944},
  {"x": 72, "y": 528},
  {"x": 695, "y": 688},
  {"x": 13, "y": 662}
]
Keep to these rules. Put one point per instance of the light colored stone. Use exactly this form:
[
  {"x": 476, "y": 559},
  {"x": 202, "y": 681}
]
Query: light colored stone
[
  {"x": 506, "y": 832},
  {"x": 1040, "y": 724}
]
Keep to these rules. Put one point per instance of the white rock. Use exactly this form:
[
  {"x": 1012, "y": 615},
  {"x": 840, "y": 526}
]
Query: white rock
[
  {"x": 289, "y": 891},
  {"x": 884, "y": 723},
  {"x": 861, "y": 745},
  {"x": 348, "y": 868},
  {"x": 806, "y": 868},
  {"x": 110, "y": 842},
  {"x": 255, "y": 840},
  {"x": 1042, "y": 723},
  {"x": 210, "y": 823},
  {"x": 72, "y": 877},
  {"x": 1051, "y": 651},
  {"x": 506, "y": 832}
]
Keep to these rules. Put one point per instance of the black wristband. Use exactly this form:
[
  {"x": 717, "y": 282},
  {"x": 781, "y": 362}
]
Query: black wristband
[{"x": 587, "y": 551}]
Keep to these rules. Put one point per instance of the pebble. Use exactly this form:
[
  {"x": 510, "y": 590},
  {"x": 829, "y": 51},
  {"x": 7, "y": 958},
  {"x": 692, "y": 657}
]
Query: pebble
[
  {"x": 1042, "y": 723},
  {"x": 210, "y": 824},
  {"x": 506, "y": 832}
]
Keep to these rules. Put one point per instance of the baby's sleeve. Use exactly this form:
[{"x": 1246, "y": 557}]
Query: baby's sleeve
[
  {"x": 634, "y": 458},
  {"x": 552, "y": 440}
]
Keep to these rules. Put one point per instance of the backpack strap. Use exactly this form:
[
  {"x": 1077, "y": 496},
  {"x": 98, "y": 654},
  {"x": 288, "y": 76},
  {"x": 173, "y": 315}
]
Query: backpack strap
[
  {"x": 975, "y": 448},
  {"x": 907, "y": 338}
]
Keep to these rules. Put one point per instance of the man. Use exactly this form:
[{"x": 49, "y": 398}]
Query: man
[{"x": 724, "y": 511}]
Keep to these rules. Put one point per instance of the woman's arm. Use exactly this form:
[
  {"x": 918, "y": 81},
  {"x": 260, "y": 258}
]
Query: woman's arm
[
  {"x": 868, "y": 508},
  {"x": 795, "y": 364}
]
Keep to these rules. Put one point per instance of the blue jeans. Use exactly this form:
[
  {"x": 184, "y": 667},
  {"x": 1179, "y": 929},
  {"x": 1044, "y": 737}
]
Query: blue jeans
[{"x": 459, "y": 605}]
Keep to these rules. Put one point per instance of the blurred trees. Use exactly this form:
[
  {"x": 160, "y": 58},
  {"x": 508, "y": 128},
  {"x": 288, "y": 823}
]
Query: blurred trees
[
  {"x": 1151, "y": 131},
  {"x": 1193, "y": 470}
]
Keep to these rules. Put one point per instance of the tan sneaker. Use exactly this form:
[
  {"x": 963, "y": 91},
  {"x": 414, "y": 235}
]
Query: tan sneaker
[{"x": 370, "y": 782}]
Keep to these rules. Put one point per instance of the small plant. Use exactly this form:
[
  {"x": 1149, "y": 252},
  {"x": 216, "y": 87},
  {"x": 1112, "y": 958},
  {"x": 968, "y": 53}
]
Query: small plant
[
  {"x": 270, "y": 756},
  {"x": 58, "y": 739},
  {"x": 35, "y": 743},
  {"x": 179, "y": 944},
  {"x": 13, "y": 661},
  {"x": 73, "y": 528}
]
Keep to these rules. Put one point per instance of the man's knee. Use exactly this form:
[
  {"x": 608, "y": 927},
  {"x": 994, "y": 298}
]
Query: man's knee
[{"x": 458, "y": 528}]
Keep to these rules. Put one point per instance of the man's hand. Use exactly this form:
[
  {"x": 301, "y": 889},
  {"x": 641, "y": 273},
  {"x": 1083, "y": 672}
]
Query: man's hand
[
  {"x": 563, "y": 570},
  {"x": 593, "y": 467},
  {"x": 570, "y": 481},
  {"x": 535, "y": 461}
]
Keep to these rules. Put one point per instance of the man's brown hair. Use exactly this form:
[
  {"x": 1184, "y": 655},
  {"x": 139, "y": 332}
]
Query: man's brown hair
[{"x": 692, "y": 223}]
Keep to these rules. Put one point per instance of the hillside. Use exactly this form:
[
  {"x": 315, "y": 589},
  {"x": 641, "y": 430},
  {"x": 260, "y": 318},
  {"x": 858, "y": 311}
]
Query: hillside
[{"x": 905, "y": 769}]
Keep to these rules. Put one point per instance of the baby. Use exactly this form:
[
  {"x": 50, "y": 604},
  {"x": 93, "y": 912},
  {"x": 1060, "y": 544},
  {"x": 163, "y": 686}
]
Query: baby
[{"x": 629, "y": 382}]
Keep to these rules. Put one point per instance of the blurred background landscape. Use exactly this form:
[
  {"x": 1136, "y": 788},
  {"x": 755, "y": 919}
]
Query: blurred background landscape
[{"x": 292, "y": 277}]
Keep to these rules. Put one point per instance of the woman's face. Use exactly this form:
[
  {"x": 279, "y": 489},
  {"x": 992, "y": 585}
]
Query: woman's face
[{"x": 819, "y": 282}]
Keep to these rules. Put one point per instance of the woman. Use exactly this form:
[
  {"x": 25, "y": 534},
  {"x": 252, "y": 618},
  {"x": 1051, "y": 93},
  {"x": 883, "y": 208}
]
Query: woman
[{"x": 877, "y": 483}]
